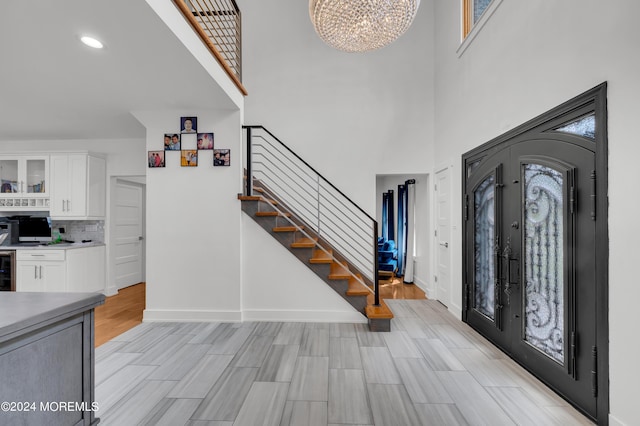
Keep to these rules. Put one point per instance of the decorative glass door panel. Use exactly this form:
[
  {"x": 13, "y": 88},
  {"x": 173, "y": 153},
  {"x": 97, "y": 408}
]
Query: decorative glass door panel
[
  {"x": 36, "y": 176},
  {"x": 9, "y": 176},
  {"x": 484, "y": 243},
  {"x": 543, "y": 260}
]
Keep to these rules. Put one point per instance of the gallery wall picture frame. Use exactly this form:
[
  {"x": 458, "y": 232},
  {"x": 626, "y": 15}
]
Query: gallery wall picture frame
[
  {"x": 205, "y": 141},
  {"x": 189, "y": 158},
  {"x": 172, "y": 142},
  {"x": 188, "y": 124},
  {"x": 222, "y": 157},
  {"x": 155, "y": 159}
]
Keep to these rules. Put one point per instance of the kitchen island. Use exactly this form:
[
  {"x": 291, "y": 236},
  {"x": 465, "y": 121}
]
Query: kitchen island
[{"x": 47, "y": 358}]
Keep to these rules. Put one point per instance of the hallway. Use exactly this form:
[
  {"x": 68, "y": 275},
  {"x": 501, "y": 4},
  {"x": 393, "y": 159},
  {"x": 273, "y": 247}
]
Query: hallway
[{"x": 431, "y": 369}]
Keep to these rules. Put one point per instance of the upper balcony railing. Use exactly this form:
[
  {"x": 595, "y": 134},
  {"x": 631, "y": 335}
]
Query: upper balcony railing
[{"x": 219, "y": 25}]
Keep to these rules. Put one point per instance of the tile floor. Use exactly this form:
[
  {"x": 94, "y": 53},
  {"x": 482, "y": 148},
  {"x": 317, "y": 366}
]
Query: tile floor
[{"x": 431, "y": 369}]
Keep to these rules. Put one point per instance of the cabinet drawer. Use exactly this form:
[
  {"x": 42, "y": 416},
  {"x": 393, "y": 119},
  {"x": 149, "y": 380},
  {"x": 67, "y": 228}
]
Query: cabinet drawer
[{"x": 40, "y": 254}]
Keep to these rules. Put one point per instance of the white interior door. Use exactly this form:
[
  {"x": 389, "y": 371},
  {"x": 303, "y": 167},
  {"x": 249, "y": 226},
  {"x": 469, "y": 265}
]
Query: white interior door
[
  {"x": 443, "y": 236},
  {"x": 128, "y": 234}
]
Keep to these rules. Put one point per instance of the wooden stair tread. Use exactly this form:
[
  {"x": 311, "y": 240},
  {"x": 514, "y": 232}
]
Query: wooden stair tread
[
  {"x": 339, "y": 271},
  {"x": 321, "y": 256},
  {"x": 316, "y": 260},
  {"x": 304, "y": 243},
  {"x": 378, "y": 312},
  {"x": 357, "y": 287},
  {"x": 358, "y": 292},
  {"x": 339, "y": 276},
  {"x": 287, "y": 228},
  {"x": 272, "y": 213},
  {"x": 256, "y": 198}
]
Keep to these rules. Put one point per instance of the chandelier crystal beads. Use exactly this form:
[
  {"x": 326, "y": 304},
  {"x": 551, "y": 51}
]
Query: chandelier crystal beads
[{"x": 361, "y": 25}]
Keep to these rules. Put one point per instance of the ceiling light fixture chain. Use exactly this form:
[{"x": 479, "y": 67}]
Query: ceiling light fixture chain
[{"x": 361, "y": 25}]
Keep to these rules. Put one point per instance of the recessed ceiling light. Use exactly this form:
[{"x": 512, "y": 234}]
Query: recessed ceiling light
[{"x": 91, "y": 42}]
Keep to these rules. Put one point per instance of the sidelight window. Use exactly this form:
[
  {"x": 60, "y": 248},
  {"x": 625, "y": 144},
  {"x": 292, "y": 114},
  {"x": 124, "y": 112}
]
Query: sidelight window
[{"x": 484, "y": 208}]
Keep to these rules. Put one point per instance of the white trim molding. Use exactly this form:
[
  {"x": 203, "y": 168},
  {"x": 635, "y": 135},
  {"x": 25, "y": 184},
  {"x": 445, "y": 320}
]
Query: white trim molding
[
  {"x": 477, "y": 27},
  {"x": 172, "y": 315},
  {"x": 304, "y": 316}
]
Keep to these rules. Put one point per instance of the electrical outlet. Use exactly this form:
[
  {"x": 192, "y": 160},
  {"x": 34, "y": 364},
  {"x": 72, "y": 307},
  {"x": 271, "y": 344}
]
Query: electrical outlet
[
  {"x": 61, "y": 230},
  {"x": 91, "y": 228}
]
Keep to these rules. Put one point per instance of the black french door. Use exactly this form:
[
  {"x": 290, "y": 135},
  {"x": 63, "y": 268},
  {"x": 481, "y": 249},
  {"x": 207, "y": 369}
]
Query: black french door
[{"x": 531, "y": 263}]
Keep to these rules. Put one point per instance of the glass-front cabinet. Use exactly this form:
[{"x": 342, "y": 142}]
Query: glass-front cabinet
[{"x": 24, "y": 182}]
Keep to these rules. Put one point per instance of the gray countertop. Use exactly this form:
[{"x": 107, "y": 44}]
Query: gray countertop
[
  {"x": 20, "y": 312},
  {"x": 59, "y": 246}
]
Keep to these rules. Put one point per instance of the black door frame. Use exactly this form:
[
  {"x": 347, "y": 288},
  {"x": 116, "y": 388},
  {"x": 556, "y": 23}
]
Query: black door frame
[{"x": 594, "y": 99}]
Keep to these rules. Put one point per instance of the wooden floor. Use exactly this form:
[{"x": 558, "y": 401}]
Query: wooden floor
[
  {"x": 395, "y": 289},
  {"x": 119, "y": 313},
  {"x": 431, "y": 369}
]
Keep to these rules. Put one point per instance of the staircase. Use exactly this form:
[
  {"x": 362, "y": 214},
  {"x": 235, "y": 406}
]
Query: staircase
[{"x": 334, "y": 239}]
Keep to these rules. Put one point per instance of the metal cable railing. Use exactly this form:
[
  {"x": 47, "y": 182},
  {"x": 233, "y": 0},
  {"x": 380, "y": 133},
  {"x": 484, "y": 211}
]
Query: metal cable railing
[
  {"x": 219, "y": 24},
  {"x": 338, "y": 222}
]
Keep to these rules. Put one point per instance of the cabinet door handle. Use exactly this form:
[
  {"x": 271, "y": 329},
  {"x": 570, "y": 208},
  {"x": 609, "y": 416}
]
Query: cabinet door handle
[
  {"x": 35, "y": 272},
  {"x": 40, "y": 272},
  {"x": 68, "y": 205}
]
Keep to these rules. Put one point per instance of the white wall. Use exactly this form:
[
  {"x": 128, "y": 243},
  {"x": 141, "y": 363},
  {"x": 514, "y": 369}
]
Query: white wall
[
  {"x": 423, "y": 227},
  {"x": 122, "y": 155},
  {"x": 530, "y": 57},
  {"x": 193, "y": 266},
  {"x": 278, "y": 287},
  {"x": 351, "y": 116}
]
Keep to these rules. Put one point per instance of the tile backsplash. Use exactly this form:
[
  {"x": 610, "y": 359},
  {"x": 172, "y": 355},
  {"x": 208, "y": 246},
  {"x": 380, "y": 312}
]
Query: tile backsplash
[{"x": 78, "y": 230}]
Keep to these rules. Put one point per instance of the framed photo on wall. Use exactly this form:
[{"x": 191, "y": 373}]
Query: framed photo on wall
[
  {"x": 205, "y": 140},
  {"x": 188, "y": 124},
  {"x": 189, "y": 158},
  {"x": 222, "y": 157},
  {"x": 156, "y": 159},
  {"x": 171, "y": 142}
]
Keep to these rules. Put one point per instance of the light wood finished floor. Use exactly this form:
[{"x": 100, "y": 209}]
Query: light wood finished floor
[
  {"x": 431, "y": 369},
  {"x": 119, "y": 313},
  {"x": 396, "y": 289}
]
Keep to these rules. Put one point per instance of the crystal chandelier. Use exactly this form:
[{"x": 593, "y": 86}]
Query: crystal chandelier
[{"x": 361, "y": 25}]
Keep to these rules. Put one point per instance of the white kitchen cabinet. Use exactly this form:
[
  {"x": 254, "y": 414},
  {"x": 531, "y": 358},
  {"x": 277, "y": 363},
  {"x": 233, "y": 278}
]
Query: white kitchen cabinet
[
  {"x": 41, "y": 270},
  {"x": 24, "y": 182},
  {"x": 72, "y": 270},
  {"x": 86, "y": 269},
  {"x": 78, "y": 186}
]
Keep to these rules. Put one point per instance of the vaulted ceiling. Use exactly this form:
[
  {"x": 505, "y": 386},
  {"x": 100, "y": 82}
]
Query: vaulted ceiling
[{"x": 54, "y": 87}]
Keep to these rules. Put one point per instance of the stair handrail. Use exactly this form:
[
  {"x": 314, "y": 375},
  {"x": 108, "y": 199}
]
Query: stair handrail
[{"x": 249, "y": 192}]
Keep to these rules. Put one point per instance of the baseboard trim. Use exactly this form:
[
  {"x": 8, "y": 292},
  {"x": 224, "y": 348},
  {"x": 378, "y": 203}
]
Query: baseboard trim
[
  {"x": 303, "y": 316},
  {"x": 422, "y": 285},
  {"x": 456, "y": 311},
  {"x": 166, "y": 315},
  {"x": 111, "y": 291},
  {"x": 614, "y": 421}
]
